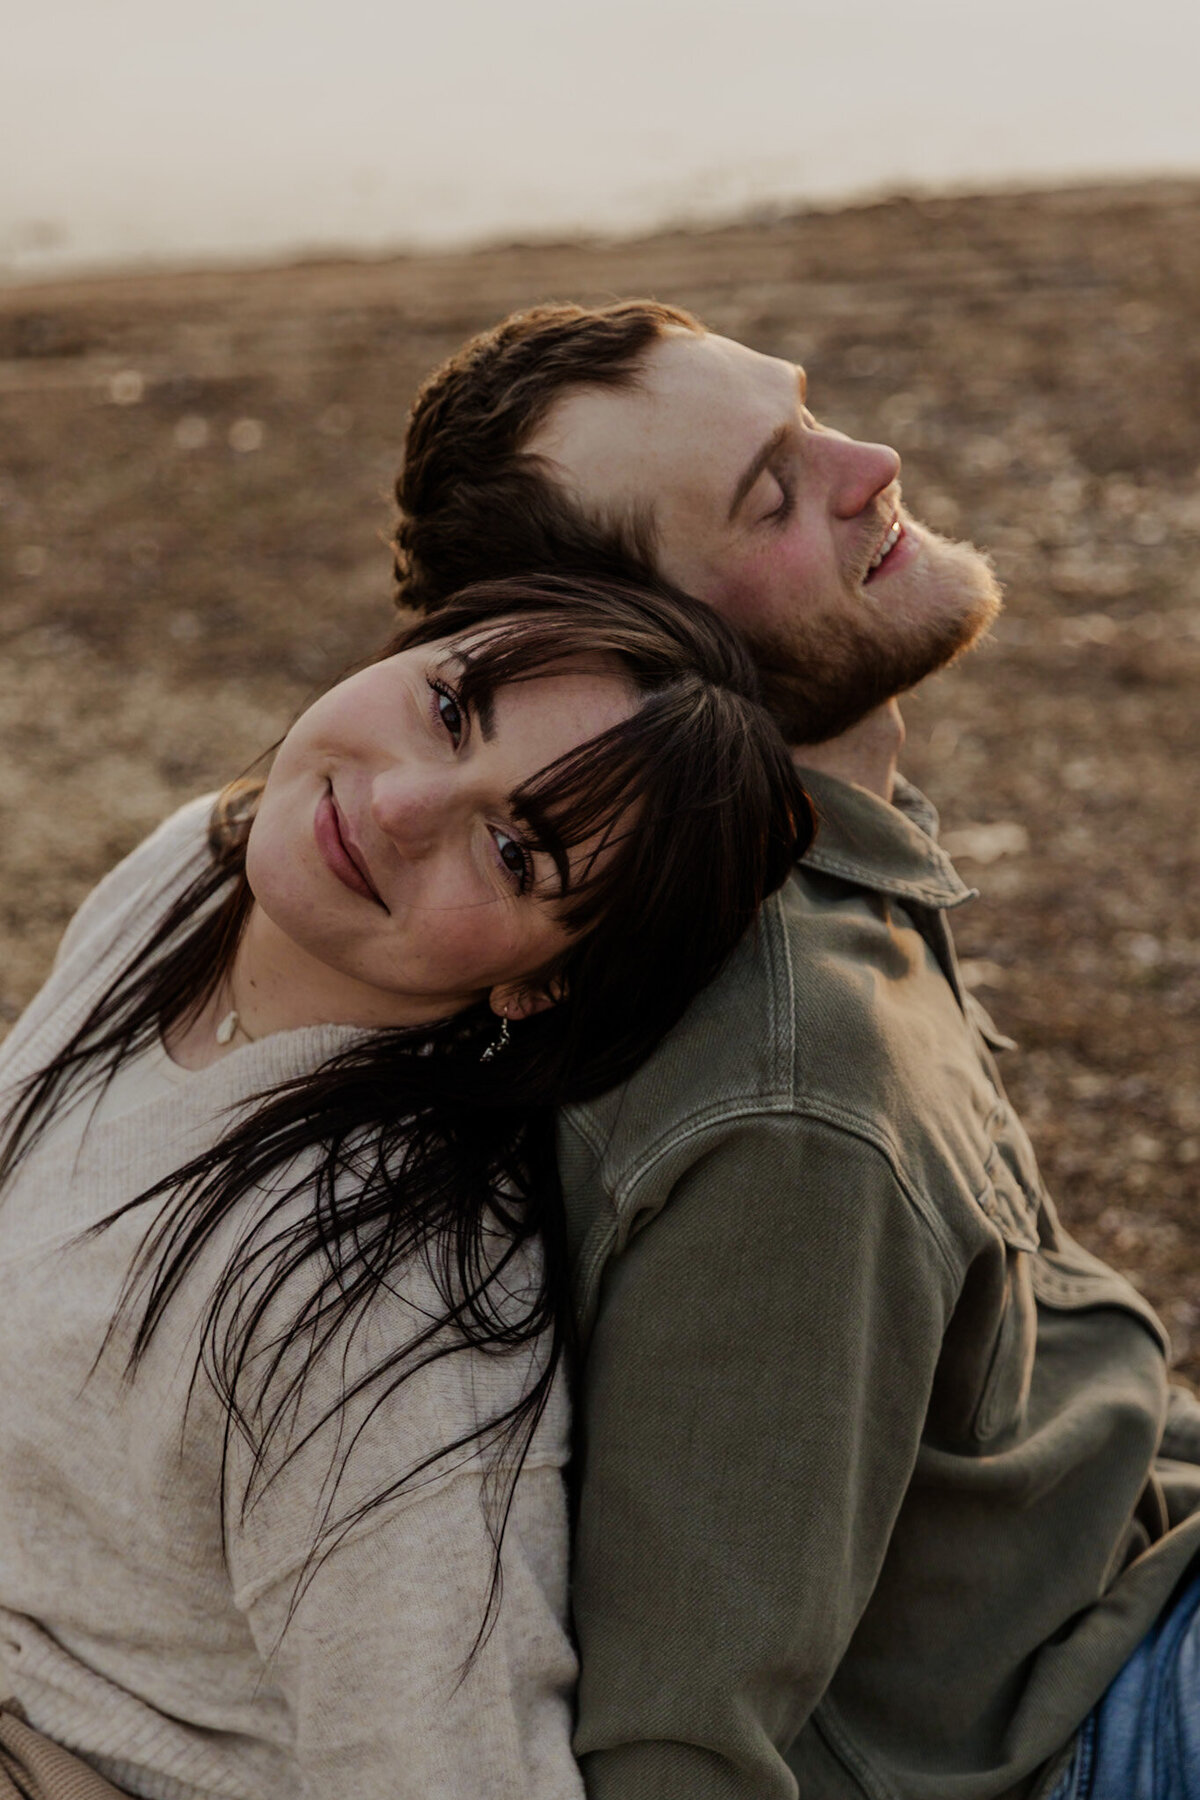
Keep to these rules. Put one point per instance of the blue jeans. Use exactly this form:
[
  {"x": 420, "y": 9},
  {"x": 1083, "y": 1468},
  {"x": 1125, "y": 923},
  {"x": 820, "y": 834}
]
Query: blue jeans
[{"x": 1142, "y": 1740}]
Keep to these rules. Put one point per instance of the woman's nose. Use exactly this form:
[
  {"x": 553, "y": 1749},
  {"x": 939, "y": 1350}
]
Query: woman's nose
[
  {"x": 409, "y": 806},
  {"x": 859, "y": 472}
]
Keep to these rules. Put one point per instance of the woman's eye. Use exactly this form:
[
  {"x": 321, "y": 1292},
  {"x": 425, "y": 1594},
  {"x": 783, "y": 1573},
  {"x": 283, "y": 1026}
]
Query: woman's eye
[
  {"x": 449, "y": 711},
  {"x": 515, "y": 858}
]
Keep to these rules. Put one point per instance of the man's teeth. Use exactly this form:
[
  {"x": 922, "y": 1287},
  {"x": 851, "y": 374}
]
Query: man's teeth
[{"x": 889, "y": 543}]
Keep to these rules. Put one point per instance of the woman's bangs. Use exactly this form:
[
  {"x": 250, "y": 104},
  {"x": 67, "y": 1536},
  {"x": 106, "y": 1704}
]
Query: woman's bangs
[
  {"x": 599, "y": 795},
  {"x": 583, "y": 797},
  {"x": 495, "y": 655}
]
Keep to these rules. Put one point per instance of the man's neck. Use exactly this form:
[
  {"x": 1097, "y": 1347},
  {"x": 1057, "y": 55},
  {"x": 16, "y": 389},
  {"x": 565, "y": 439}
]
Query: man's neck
[{"x": 866, "y": 754}]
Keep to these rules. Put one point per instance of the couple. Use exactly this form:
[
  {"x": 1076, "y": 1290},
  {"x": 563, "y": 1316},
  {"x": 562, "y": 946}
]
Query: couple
[{"x": 878, "y": 1486}]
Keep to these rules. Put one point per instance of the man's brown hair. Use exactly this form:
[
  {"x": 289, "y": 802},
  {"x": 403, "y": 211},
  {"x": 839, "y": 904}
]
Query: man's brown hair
[{"x": 473, "y": 505}]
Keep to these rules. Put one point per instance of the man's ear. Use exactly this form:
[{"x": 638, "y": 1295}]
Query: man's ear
[{"x": 517, "y": 1000}]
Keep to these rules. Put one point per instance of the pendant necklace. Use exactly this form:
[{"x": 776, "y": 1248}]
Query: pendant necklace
[{"x": 231, "y": 1025}]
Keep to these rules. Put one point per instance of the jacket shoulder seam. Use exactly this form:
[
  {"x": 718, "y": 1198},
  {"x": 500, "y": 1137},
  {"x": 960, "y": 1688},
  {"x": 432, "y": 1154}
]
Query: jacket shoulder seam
[{"x": 621, "y": 1196}]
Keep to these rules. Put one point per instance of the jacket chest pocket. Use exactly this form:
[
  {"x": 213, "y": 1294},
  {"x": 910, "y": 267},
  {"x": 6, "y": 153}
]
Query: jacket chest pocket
[
  {"x": 1059, "y": 1273},
  {"x": 1010, "y": 1199},
  {"x": 1004, "y": 1394},
  {"x": 1067, "y": 1278},
  {"x": 1032, "y": 1264},
  {"x": 981, "y": 1395}
]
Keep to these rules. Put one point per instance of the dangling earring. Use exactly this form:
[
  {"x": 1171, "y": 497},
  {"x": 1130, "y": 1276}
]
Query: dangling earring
[{"x": 498, "y": 1044}]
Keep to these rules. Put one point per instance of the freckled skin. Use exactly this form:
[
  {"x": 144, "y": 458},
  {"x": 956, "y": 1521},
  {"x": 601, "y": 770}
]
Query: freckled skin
[{"x": 428, "y": 817}]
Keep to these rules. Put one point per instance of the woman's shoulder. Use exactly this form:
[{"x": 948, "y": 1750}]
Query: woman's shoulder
[
  {"x": 129, "y": 900},
  {"x": 171, "y": 852}
]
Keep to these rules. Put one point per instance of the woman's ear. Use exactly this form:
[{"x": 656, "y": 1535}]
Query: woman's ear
[{"x": 518, "y": 1001}]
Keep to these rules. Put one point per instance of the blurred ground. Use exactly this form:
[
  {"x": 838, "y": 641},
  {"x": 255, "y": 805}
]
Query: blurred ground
[{"x": 193, "y": 515}]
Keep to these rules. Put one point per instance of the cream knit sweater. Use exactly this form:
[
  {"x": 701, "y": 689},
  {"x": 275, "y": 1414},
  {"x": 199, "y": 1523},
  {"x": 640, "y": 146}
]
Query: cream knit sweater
[{"x": 127, "y": 1630}]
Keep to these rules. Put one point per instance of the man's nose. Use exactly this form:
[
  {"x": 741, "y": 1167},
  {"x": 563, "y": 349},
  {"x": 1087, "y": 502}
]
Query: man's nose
[{"x": 859, "y": 472}]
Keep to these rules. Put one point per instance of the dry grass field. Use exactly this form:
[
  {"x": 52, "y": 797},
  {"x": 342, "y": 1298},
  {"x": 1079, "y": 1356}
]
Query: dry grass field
[{"x": 194, "y": 508}]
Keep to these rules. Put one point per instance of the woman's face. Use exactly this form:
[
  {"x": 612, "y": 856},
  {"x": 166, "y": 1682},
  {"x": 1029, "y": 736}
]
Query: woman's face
[{"x": 384, "y": 853}]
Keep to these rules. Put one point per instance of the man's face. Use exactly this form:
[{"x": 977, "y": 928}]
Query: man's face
[{"x": 777, "y": 521}]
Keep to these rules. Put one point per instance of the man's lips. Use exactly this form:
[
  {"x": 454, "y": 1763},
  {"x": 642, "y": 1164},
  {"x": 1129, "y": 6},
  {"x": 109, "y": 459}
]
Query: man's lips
[
  {"x": 338, "y": 849},
  {"x": 896, "y": 548}
]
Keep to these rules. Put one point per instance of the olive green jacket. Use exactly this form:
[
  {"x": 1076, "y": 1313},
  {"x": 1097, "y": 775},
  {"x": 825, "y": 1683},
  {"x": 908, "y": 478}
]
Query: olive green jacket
[{"x": 868, "y": 1494}]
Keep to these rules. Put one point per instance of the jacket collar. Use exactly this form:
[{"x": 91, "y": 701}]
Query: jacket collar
[{"x": 890, "y": 848}]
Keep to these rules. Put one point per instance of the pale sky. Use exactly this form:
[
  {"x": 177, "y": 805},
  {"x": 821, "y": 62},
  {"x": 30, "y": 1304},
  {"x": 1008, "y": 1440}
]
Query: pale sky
[{"x": 138, "y": 129}]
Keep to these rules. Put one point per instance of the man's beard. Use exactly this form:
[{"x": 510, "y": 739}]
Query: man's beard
[{"x": 824, "y": 675}]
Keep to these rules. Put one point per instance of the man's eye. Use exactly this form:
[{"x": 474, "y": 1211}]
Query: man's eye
[
  {"x": 515, "y": 857},
  {"x": 449, "y": 710},
  {"x": 776, "y": 514}
]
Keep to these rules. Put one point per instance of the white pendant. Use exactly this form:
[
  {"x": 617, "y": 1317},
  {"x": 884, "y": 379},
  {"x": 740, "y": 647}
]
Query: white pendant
[{"x": 227, "y": 1027}]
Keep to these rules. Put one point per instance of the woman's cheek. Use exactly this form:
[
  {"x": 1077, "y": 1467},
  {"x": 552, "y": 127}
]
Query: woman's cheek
[{"x": 480, "y": 943}]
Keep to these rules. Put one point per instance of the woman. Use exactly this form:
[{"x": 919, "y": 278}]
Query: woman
[{"x": 282, "y": 1288}]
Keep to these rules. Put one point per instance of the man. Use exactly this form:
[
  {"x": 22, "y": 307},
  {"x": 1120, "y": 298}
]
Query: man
[{"x": 872, "y": 1496}]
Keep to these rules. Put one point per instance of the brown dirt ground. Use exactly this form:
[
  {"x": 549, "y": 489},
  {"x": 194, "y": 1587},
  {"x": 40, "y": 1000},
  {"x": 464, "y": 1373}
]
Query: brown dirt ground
[{"x": 193, "y": 520}]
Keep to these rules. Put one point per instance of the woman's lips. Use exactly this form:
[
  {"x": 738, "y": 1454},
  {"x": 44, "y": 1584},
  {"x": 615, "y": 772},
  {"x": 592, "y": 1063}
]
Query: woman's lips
[{"x": 335, "y": 851}]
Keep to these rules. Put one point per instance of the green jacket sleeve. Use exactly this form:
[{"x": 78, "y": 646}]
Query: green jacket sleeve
[{"x": 751, "y": 1409}]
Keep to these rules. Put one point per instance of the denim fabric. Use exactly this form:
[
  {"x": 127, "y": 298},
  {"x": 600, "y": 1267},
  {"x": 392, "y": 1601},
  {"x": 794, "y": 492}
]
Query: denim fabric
[{"x": 1142, "y": 1742}]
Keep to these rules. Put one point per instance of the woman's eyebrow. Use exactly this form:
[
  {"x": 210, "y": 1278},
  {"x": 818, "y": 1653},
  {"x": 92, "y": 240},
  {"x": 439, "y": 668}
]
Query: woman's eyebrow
[
  {"x": 485, "y": 714},
  {"x": 481, "y": 704},
  {"x": 480, "y": 699},
  {"x": 541, "y": 837},
  {"x": 755, "y": 467},
  {"x": 551, "y": 843}
]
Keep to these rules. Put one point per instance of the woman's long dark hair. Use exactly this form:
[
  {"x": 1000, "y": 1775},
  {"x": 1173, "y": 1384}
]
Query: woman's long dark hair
[{"x": 407, "y": 1143}]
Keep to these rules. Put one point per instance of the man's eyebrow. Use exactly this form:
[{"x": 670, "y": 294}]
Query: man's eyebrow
[{"x": 756, "y": 465}]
